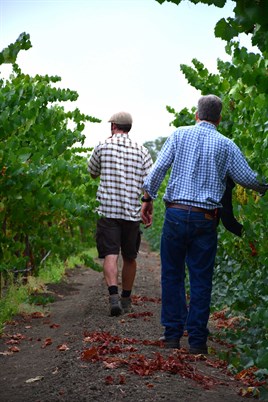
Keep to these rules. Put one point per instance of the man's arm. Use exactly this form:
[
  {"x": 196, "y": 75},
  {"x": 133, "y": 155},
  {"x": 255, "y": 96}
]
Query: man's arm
[
  {"x": 93, "y": 165},
  {"x": 241, "y": 172},
  {"x": 158, "y": 172}
]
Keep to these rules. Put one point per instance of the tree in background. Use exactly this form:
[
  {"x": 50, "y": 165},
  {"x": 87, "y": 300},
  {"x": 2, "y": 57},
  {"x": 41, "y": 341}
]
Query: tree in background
[{"x": 47, "y": 199}]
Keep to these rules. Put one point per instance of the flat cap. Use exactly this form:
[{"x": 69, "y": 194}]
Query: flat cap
[{"x": 121, "y": 118}]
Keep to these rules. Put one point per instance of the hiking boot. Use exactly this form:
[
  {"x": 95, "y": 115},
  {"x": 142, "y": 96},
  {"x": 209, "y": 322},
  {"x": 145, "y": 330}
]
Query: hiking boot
[
  {"x": 198, "y": 350},
  {"x": 172, "y": 343},
  {"x": 115, "y": 305},
  {"x": 126, "y": 304}
]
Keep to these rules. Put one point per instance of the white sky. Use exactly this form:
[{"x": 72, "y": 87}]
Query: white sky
[{"x": 117, "y": 54}]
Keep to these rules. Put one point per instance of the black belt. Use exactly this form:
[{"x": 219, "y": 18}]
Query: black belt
[{"x": 211, "y": 212}]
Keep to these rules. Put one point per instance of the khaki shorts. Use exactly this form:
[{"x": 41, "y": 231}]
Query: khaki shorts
[{"x": 115, "y": 235}]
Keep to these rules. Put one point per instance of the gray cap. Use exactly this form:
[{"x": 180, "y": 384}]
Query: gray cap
[{"x": 121, "y": 118}]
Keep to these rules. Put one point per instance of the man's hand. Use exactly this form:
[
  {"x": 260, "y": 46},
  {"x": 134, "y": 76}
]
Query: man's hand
[{"x": 147, "y": 213}]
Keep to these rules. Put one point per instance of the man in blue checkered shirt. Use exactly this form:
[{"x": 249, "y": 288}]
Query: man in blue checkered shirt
[{"x": 200, "y": 159}]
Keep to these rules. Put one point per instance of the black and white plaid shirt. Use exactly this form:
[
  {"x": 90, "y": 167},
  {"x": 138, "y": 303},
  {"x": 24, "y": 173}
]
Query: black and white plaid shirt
[{"x": 122, "y": 165}]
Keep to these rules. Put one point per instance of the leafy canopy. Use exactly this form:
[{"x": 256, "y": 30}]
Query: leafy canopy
[{"x": 250, "y": 17}]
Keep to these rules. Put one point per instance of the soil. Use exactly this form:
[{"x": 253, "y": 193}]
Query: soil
[{"x": 74, "y": 351}]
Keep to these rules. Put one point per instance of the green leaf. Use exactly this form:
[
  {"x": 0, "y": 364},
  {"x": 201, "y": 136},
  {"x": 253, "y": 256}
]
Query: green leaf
[
  {"x": 24, "y": 157},
  {"x": 262, "y": 359},
  {"x": 225, "y": 30},
  {"x": 9, "y": 54},
  {"x": 263, "y": 394}
]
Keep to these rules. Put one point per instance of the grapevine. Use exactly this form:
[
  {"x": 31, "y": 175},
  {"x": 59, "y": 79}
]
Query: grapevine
[{"x": 47, "y": 199}]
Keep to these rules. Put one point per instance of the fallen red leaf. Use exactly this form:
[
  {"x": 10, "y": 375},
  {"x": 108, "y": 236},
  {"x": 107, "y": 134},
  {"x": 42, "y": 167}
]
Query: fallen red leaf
[
  {"x": 109, "y": 380},
  {"x": 47, "y": 342},
  {"x": 227, "y": 323},
  {"x": 219, "y": 314},
  {"x": 14, "y": 349},
  {"x": 147, "y": 342},
  {"x": 106, "y": 338},
  {"x": 247, "y": 377},
  {"x": 90, "y": 354},
  {"x": 12, "y": 342},
  {"x": 143, "y": 314},
  {"x": 54, "y": 326},
  {"x": 16, "y": 336},
  {"x": 12, "y": 322},
  {"x": 217, "y": 363},
  {"x": 122, "y": 379},
  {"x": 253, "y": 249},
  {"x": 37, "y": 314},
  {"x": 141, "y": 299}
]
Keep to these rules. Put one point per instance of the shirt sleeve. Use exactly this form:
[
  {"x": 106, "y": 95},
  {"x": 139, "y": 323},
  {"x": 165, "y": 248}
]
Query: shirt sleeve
[
  {"x": 94, "y": 163},
  {"x": 147, "y": 163},
  {"x": 241, "y": 172},
  {"x": 158, "y": 172}
]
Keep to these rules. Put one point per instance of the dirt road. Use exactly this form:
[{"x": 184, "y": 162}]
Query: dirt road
[{"x": 75, "y": 352}]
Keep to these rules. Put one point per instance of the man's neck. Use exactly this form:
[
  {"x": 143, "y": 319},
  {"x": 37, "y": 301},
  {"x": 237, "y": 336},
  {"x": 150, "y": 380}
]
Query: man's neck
[{"x": 116, "y": 131}]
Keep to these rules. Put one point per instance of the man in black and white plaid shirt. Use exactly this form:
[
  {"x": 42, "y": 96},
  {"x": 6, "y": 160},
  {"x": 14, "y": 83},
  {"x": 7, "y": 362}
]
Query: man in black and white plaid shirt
[{"x": 122, "y": 166}]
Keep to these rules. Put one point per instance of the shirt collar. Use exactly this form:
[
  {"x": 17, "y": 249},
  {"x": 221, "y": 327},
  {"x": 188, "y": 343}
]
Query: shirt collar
[
  {"x": 204, "y": 122},
  {"x": 119, "y": 135}
]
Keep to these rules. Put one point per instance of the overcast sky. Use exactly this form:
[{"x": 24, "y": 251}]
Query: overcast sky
[{"x": 117, "y": 54}]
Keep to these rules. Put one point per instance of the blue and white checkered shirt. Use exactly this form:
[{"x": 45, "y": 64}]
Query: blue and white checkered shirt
[{"x": 200, "y": 159}]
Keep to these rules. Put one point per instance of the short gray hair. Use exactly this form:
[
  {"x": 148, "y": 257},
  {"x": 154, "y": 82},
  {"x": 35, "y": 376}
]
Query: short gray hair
[{"x": 209, "y": 108}]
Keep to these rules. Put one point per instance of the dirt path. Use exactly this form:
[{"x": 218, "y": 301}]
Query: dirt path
[{"x": 76, "y": 352}]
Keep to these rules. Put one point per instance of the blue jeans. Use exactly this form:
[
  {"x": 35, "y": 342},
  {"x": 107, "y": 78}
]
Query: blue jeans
[{"x": 187, "y": 238}]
